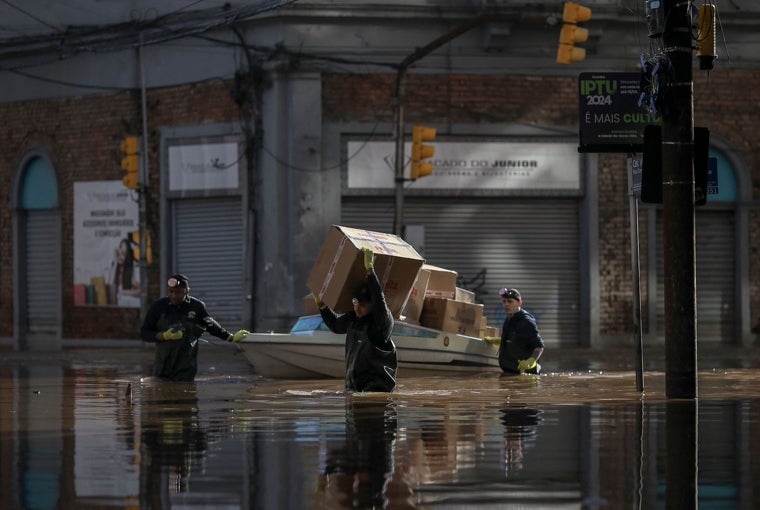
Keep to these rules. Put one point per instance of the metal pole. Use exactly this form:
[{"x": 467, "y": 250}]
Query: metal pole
[
  {"x": 143, "y": 187},
  {"x": 678, "y": 207},
  {"x": 398, "y": 111},
  {"x": 398, "y": 127},
  {"x": 633, "y": 207}
]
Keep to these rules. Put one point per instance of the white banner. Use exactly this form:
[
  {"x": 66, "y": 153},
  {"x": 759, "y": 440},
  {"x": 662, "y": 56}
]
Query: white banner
[
  {"x": 471, "y": 165},
  {"x": 105, "y": 272},
  {"x": 204, "y": 167}
]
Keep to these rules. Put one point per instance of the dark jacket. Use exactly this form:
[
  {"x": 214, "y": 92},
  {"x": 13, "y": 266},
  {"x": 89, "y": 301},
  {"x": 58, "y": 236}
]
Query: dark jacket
[
  {"x": 177, "y": 360},
  {"x": 371, "y": 362},
  {"x": 519, "y": 337}
]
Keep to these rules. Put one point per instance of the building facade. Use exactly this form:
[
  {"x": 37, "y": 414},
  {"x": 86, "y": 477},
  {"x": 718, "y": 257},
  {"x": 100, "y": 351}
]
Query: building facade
[{"x": 262, "y": 125}]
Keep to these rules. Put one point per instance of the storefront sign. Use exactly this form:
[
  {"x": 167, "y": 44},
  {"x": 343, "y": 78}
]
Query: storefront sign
[
  {"x": 471, "y": 165},
  {"x": 210, "y": 166}
]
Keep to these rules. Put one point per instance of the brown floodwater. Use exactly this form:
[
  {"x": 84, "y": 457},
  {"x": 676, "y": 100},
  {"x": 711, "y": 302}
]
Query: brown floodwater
[{"x": 78, "y": 429}]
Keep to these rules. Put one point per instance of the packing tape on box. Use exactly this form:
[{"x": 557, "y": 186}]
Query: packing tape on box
[{"x": 331, "y": 270}]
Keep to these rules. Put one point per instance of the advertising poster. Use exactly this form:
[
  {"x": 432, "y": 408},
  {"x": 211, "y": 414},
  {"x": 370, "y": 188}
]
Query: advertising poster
[{"x": 105, "y": 270}]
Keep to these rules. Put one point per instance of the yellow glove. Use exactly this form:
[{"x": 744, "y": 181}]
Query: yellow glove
[
  {"x": 320, "y": 303},
  {"x": 173, "y": 333},
  {"x": 526, "y": 364},
  {"x": 369, "y": 258},
  {"x": 241, "y": 333}
]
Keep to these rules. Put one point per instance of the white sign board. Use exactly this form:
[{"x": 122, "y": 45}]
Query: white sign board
[
  {"x": 204, "y": 167},
  {"x": 471, "y": 165},
  {"x": 105, "y": 272}
]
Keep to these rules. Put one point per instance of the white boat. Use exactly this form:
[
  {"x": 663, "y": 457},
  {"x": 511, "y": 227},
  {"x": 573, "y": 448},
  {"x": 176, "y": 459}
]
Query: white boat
[{"x": 310, "y": 350}]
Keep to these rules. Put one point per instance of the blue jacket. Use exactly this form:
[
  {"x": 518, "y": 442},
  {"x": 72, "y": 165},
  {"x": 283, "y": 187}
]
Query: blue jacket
[{"x": 519, "y": 337}]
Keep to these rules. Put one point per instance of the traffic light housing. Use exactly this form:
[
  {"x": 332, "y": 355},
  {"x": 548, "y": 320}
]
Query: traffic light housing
[
  {"x": 421, "y": 152},
  {"x": 134, "y": 238},
  {"x": 130, "y": 162},
  {"x": 571, "y": 33}
]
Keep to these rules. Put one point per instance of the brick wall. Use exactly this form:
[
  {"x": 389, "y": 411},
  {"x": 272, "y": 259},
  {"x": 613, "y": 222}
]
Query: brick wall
[{"x": 83, "y": 134}]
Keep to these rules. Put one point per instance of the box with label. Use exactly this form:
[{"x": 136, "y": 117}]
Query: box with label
[
  {"x": 339, "y": 267},
  {"x": 413, "y": 307},
  {"x": 442, "y": 282},
  {"x": 452, "y": 316}
]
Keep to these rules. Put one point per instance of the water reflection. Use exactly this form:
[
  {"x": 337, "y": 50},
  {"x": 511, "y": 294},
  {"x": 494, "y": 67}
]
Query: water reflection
[
  {"x": 359, "y": 469},
  {"x": 520, "y": 430},
  {"x": 72, "y": 435},
  {"x": 173, "y": 443}
]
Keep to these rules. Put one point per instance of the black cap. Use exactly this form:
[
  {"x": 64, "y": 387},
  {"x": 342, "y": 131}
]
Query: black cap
[
  {"x": 510, "y": 293},
  {"x": 178, "y": 280},
  {"x": 362, "y": 293}
]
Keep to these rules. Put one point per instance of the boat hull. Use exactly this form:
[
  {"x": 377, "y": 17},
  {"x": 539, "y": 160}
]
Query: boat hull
[{"x": 320, "y": 354}]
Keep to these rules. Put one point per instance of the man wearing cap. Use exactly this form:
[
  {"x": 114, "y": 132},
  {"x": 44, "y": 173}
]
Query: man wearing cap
[
  {"x": 175, "y": 323},
  {"x": 521, "y": 344},
  {"x": 371, "y": 362}
]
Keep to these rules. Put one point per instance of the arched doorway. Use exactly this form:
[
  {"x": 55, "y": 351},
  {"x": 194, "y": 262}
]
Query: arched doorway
[{"x": 37, "y": 254}]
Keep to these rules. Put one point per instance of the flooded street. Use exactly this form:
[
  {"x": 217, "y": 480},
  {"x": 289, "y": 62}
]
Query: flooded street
[{"x": 79, "y": 430}]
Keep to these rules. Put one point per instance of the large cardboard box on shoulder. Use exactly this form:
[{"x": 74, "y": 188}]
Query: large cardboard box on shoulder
[
  {"x": 339, "y": 267},
  {"x": 442, "y": 282},
  {"x": 453, "y": 316}
]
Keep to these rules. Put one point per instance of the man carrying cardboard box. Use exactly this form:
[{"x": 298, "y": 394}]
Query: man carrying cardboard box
[{"x": 371, "y": 361}]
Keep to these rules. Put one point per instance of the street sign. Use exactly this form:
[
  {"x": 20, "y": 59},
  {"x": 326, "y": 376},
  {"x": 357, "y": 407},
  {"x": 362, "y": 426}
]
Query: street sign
[{"x": 611, "y": 119}]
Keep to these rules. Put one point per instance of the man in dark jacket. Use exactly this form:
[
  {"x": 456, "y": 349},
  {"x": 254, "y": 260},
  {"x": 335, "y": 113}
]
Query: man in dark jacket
[
  {"x": 175, "y": 323},
  {"x": 371, "y": 362},
  {"x": 521, "y": 344}
]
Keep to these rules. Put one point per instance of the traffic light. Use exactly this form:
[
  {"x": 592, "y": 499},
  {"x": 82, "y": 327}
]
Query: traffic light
[
  {"x": 421, "y": 151},
  {"x": 130, "y": 162},
  {"x": 571, "y": 33},
  {"x": 134, "y": 237},
  {"x": 706, "y": 36}
]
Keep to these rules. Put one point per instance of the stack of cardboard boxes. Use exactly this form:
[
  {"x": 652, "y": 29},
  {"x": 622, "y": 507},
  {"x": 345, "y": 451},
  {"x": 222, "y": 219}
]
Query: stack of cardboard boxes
[{"x": 416, "y": 292}]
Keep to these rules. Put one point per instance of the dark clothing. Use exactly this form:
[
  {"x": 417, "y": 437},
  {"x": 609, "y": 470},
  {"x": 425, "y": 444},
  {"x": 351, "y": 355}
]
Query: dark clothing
[
  {"x": 371, "y": 362},
  {"x": 519, "y": 337},
  {"x": 177, "y": 360}
]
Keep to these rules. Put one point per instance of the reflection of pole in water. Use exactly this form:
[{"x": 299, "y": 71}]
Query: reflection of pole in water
[
  {"x": 681, "y": 458},
  {"x": 520, "y": 428}
]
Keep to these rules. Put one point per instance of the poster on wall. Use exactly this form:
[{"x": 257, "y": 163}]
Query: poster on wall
[{"x": 105, "y": 270}]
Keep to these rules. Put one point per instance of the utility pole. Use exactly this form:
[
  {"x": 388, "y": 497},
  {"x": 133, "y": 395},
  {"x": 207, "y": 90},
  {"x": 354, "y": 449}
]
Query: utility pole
[
  {"x": 678, "y": 206},
  {"x": 398, "y": 112}
]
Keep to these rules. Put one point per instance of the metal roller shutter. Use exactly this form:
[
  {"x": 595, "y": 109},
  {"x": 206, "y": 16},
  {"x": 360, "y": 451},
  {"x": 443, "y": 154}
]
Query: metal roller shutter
[
  {"x": 42, "y": 273},
  {"x": 208, "y": 248},
  {"x": 716, "y": 273},
  {"x": 529, "y": 244}
]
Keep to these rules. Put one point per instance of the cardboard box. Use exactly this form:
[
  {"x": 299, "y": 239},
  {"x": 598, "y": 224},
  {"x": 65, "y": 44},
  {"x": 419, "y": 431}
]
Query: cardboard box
[
  {"x": 413, "y": 307},
  {"x": 466, "y": 296},
  {"x": 309, "y": 305},
  {"x": 442, "y": 282},
  {"x": 452, "y": 316},
  {"x": 339, "y": 267}
]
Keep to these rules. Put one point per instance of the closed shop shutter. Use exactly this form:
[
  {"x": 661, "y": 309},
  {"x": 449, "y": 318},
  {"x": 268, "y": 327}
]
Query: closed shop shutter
[
  {"x": 208, "y": 248},
  {"x": 43, "y": 272},
  {"x": 716, "y": 274},
  {"x": 529, "y": 244}
]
